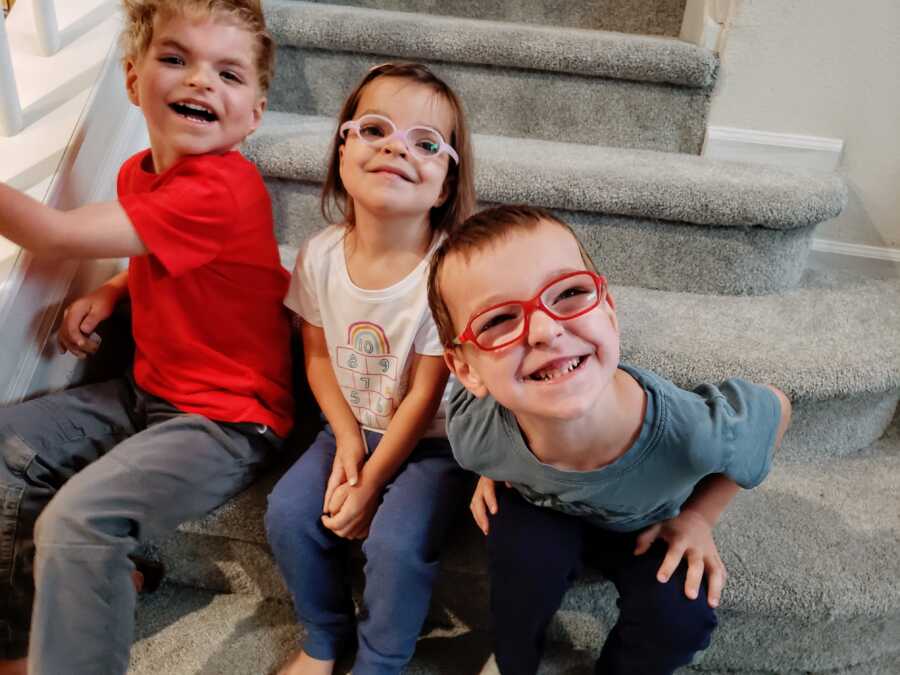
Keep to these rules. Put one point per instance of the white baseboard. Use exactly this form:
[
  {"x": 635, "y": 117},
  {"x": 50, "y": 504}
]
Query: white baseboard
[
  {"x": 868, "y": 260},
  {"x": 776, "y": 149}
]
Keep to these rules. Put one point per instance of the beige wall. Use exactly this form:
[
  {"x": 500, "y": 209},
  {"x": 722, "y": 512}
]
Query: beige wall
[{"x": 824, "y": 68}]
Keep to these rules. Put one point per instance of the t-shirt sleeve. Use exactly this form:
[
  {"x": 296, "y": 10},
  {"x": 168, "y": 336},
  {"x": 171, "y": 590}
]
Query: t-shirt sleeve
[
  {"x": 301, "y": 296},
  {"x": 740, "y": 437},
  {"x": 427, "y": 342},
  {"x": 185, "y": 222}
]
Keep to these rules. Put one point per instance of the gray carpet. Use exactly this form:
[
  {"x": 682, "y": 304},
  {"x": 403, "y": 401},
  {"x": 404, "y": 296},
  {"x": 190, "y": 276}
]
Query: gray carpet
[
  {"x": 564, "y": 84},
  {"x": 658, "y": 17}
]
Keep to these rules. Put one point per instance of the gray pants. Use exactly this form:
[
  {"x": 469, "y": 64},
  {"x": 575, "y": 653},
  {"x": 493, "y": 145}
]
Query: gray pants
[{"x": 106, "y": 467}]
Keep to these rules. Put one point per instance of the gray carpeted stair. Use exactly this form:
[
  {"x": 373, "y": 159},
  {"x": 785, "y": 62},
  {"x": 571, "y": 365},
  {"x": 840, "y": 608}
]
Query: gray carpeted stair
[
  {"x": 812, "y": 587},
  {"x": 515, "y": 79},
  {"x": 645, "y": 17},
  {"x": 654, "y": 219}
]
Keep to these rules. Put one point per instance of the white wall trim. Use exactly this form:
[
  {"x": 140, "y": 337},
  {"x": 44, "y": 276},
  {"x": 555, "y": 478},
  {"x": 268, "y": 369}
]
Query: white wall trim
[
  {"x": 857, "y": 250},
  {"x": 766, "y": 147},
  {"x": 705, "y": 22}
]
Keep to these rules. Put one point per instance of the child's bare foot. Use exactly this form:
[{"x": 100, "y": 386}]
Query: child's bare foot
[
  {"x": 17, "y": 667},
  {"x": 137, "y": 578},
  {"x": 304, "y": 664}
]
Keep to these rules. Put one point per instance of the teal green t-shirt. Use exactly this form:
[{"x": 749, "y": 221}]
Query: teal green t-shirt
[{"x": 685, "y": 436}]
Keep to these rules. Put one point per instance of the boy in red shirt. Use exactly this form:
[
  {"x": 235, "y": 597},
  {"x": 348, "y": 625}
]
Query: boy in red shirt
[{"x": 111, "y": 465}]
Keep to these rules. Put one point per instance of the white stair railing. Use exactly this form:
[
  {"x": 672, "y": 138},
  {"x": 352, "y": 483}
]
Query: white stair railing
[
  {"x": 10, "y": 107},
  {"x": 47, "y": 27},
  {"x": 50, "y": 39}
]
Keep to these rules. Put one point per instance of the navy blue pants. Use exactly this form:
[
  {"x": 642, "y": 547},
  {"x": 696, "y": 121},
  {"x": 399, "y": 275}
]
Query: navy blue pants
[
  {"x": 534, "y": 556},
  {"x": 401, "y": 553}
]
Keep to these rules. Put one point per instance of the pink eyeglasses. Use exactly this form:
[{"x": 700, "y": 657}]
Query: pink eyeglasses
[
  {"x": 566, "y": 297},
  {"x": 376, "y": 130}
]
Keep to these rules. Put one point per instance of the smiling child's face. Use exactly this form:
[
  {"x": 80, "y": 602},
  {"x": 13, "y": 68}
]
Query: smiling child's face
[
  {"x": 389, "y": 180},
  {"x": 197, "y": 86},
  {"x": 559, "y": 369}
]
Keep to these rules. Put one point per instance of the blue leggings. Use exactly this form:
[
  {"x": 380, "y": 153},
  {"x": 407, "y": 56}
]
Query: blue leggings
[
  {"x": 536, "y": 553},
  {"x": 401, "y": 553}
]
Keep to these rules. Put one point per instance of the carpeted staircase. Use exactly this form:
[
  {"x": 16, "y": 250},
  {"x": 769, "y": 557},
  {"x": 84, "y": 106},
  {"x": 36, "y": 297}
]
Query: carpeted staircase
[{"x": 708, "y": 265}]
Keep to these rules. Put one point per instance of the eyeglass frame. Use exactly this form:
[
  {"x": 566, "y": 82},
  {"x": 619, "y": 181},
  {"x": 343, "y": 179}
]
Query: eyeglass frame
[
  {"x": 529, "y": 307},
  {"x": 353, "y": 125}
]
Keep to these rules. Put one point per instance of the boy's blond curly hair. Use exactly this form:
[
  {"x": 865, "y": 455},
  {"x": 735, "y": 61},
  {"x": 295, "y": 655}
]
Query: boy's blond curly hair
[{"x": 248, "y": 14}]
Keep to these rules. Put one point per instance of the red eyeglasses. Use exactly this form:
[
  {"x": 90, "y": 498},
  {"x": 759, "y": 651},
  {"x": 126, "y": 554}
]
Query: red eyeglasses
[{"x": 566, "y": 297}]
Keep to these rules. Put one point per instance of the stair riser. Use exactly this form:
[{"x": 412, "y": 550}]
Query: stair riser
[
  {"x": 630, "y": 251},
  {"x": 824, "y": 645},
  {"x": 511, "y": 102},
  {"x": 584, "y": 620},
  {"x": 660, "y": 17},
  {"x": 248, "y": 568}
]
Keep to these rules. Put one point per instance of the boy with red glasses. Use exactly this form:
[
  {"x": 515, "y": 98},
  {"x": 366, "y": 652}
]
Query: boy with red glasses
[{"x": 610, "y": 463}]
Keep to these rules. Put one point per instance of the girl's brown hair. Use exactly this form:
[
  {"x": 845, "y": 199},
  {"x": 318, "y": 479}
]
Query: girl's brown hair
[{"x": 337, "y": 206}]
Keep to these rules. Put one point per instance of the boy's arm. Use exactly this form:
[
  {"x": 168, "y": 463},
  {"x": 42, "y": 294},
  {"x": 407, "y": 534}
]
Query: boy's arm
[
  {"x": 86, "y": 313},
  {"x": 101, "y": 230},
  {"x": 351, "y": 450},
  {"x": 689, "y": 534},
  {"x": 354, "y": 507}
]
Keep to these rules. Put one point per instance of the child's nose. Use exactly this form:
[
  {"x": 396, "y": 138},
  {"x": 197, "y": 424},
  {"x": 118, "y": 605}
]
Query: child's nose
[
  {"x": 396, "y": 144},
  {"x": 543, "y": 329},
  {"x": 199, "y": 77}
]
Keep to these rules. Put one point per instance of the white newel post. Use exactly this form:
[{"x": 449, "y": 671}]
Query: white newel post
[
  {"x": 10, "y": 107},
  {"x": 45, "y": 24}
]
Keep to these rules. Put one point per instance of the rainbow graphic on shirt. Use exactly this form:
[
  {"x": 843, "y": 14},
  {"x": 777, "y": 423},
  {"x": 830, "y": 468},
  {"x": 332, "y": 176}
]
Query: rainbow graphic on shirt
[{"x": 368, "y": 338}]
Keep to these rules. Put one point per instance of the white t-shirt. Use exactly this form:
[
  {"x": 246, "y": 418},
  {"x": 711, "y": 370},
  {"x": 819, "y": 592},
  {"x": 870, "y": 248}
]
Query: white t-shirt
[{"x": 370, "y": 334}]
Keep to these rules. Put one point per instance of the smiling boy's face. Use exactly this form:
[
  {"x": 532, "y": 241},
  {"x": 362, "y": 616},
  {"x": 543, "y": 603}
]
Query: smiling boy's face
[
  {"x": 197, "y": 86},
  {"x": 559, "y": 369}
]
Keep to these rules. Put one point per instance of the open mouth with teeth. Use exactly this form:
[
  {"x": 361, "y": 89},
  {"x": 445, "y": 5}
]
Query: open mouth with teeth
[
  {"x": 194, "y": 112},
  {"x": 557, "y": 370}
]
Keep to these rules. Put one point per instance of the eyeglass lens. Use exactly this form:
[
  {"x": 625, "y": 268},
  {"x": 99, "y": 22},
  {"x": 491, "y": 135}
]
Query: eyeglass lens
[
  {"x": 564, "y": 299},
  {"x": 422, "y": 141}
]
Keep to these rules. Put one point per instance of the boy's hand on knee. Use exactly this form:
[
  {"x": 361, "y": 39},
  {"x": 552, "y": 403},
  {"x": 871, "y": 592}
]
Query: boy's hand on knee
[
  {"x": 484, "y": 501},
  {"x": 76, "y": 332},
  {"x": 689, "y": 536}
]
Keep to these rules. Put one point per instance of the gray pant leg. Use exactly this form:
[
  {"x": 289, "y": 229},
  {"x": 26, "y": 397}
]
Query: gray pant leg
[
  {"x": 43, "y": 442},
  {"x": 174, "y": 470}
]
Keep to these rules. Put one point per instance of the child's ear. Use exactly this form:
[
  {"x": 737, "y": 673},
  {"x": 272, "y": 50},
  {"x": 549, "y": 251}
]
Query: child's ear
[
  {"x": 131, "y": 79},
  {"x": 445, "y": 193},
  {"x": 611, "y": 311},
  {"x": 256, "y": 114},
  {"x": 464, "y": 372}
]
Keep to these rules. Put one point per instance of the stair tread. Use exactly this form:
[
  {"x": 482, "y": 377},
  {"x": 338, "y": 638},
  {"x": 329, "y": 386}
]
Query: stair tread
[
  {"x": 517, "y": 45},
  {"x": 183, "y": 631},
  {"x": 643, "y": 183}
]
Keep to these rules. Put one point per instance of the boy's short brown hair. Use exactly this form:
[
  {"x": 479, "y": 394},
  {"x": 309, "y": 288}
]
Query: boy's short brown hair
[
  {"x": 337, "y": 205},
  {"x": 248, "y": 14},
  {"x": 476, "y": 234}
]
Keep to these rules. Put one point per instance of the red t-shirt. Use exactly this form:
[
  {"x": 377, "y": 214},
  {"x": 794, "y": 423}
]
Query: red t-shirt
[{"x": 211, "y": 332}]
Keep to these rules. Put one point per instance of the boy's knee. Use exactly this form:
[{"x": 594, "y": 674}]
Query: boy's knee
[
  {"x": 64, "y": 521},
  {"x": 667, "y": 614}
]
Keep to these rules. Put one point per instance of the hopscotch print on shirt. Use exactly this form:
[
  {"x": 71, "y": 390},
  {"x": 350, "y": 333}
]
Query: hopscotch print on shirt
[{"x": 368, "y": 374}]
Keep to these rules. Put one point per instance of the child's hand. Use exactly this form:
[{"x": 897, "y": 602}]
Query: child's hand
[
  {"x": 348, "y": 458},
  {"x": 351, "y": 509},
  {"x": 484, "y": 500},
  {"x": 689, "y": 536},
  {"x": 76, "y": 333}
]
